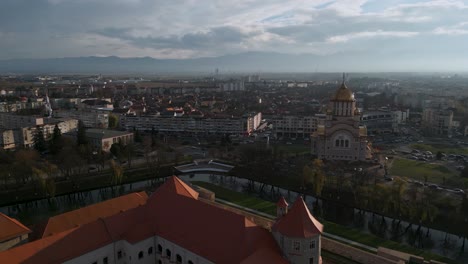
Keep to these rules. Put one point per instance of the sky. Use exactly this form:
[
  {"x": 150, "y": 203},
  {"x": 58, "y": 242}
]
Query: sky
[{"x": 412, "y": 30}]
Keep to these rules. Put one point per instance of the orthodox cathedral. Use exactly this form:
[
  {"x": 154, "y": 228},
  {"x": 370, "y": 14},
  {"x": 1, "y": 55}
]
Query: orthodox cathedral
[{"x": 341, "y": 137}]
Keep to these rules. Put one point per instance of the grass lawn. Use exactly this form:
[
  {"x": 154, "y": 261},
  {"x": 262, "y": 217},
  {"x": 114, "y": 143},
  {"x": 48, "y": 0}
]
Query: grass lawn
[
  {"x": 295, "y": 149},
  {"x": 268, "y": 207},
  {"x": 333, "y": 258},
  {"x": 441, "y": 147},
  {"x": 239, "y": 198},
  {"x": 417, "y": 170}
]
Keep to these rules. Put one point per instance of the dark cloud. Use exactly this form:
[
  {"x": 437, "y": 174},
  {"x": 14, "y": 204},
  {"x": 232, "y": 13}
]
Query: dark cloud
[
  {"x": 63, "y": 28},
  {"x": 214, "y": 37}
]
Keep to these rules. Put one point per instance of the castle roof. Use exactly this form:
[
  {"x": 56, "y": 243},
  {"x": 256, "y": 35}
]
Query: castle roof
[
  {"x": 68, "y": 220},
  {"x": 172, "y": 212},
  {"x": 11, "y": 228},
  {"x": 298, "y": 222},
  {"x": 282, "y": 203}
]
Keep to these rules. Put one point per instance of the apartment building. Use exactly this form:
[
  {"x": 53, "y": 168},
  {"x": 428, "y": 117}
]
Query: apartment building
[
  {"x": 24, "y": 137},
  {"x": 437, "y": 122},
  {"x": 7, "y": 139},
  {"x": 295, "y": 126},
  {"x": 91, "y": 118},
  {"x": 379, "y": 122},
  {"x": 188, "y": 124},
  {"x": 13, "y": 121},
  {"x": 103, "y": 139}
]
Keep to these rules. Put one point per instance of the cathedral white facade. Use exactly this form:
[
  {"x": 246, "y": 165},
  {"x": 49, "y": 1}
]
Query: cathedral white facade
[{"x": 341, "y": 137}]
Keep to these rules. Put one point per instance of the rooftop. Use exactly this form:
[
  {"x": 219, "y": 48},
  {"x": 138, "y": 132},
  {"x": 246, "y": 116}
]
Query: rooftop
[
  {"x": 172, "y": 212},
  {"x": 72, "y": 219},
  {"x": 105, "y": 133},
  {"x": 298, "y": 222},
  {"x": 11, "y": 228}
]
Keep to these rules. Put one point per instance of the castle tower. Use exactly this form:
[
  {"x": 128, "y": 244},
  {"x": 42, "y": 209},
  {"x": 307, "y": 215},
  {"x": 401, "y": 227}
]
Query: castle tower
[
  {"x": 298, "y": 234},
  {"x": 281, "y": 207}
]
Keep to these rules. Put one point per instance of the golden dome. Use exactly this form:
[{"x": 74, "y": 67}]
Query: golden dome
[{"x": 343, "y": 94}]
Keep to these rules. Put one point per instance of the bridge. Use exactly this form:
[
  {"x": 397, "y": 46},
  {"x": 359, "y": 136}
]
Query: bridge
[{"x": 209, "y": 166}]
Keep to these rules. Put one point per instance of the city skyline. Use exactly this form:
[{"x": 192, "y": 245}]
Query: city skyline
[{"x": 367, "y": 35}]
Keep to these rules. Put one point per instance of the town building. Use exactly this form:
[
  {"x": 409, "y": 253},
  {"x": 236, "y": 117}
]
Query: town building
[
  {"x": 12, "y": 121},
  {"x": 91, "y": 118},
  {"x": 24, "y": 136},
  {"x": 176, "y": 225},
  {"x": 295, "y": 126},
  {"x": 192, "y": 124},
  {"x": 437, "y": 122},
  {"x": 102, "y": 139},
  {"x": 341, "y": 137},
  {"x": 12, "y": 233},
  {"x": 401, "y": 116},
  {"x": 253, "y": 121},
  {"x": 379, "y": 122},
  {"x": 7, "y": 139}
]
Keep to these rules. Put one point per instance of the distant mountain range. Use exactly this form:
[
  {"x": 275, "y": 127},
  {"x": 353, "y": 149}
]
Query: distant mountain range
[{"x": 241, "y": 63}]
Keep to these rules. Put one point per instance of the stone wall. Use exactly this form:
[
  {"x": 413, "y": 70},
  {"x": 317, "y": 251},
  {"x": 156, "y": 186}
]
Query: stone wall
[
  {"x": 4, "y": 245},
  {"x": 355, "y": 254}
]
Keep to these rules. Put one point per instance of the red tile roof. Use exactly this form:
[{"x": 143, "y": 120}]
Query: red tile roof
[
  {"x": 11, "y": 228},
  {"x": 282, "y": 203},
  {"x": 172, "y": 212},
  {"x": 298, "y": 222},
  {"x": 91, "y": 213},
  {"x": 29, "y": 250},
  {"x": 264, "y": 256}
]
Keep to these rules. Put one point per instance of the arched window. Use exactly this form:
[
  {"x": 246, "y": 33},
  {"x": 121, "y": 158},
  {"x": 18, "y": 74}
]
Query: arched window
[
  {"x": 346, "y": 143},
  {"x": 190, "y": 262},
  {"x": 342, "y": 143},
  {"x": 337, "y": 143},
  {"x": 159, "y": 249},
  {"x": 159, "y": 261},
  {"x": 178, "y": 258},
  {"x": 150, "y": 250},
  {"x": 140, "y": 255},
  {"x": 168, "y": 253}
]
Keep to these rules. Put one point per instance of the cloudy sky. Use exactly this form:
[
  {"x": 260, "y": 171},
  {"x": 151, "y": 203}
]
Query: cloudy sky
[{"x": 415, "y": 29}]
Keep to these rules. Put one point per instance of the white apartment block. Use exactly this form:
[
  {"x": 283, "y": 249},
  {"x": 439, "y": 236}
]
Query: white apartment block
[
  {"x": 295, "y": 126},
  {"x": 24, "y": 137},
  {"x": 90, "y": 118},
  {"x": 437, "y": 122},
  {"x": 186, "y": 124},
  {"x": 7, "y": 139},
  {"x": 379, "y": 122},
  {"x": 253, "y": 121},
  {"x": 13, "y": 121}
]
